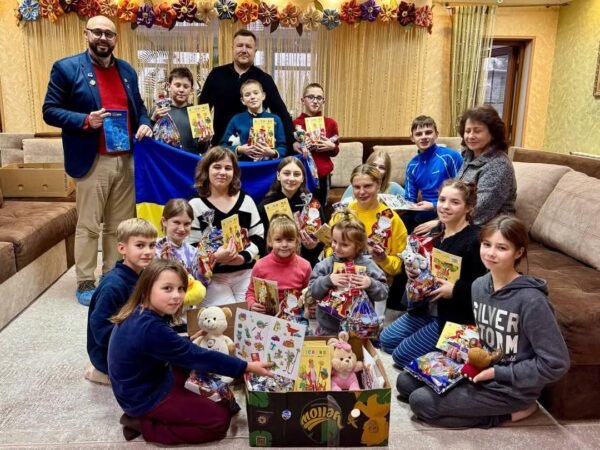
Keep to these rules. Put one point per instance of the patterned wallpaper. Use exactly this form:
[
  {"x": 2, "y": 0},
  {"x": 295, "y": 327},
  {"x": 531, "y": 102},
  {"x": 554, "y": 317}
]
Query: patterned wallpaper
[
  {"x": 538, "y": 24},
  {"x": 573, "y": 112}
]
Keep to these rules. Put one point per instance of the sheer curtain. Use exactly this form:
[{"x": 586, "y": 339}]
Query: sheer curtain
[
  {"x": 372, "y": 72},
  {"x": 472, "y": 32}
]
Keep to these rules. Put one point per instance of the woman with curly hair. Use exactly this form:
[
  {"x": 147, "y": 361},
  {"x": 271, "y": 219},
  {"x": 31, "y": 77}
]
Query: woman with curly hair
[{"x": 486, "y": 164}]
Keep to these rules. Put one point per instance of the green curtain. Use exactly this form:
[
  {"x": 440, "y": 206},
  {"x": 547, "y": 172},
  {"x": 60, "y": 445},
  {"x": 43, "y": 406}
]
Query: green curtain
[{"x": 472, "y": 32}]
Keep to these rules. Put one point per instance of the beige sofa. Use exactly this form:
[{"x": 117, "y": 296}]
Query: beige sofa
[
  {"x": 36, "y": 243},
  {"x": 558, "y": 197}
]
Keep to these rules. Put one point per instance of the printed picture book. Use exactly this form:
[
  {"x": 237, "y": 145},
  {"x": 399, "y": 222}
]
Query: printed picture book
[
  {"x": 445, "y": 265},
  {"x": 315, "y": 129},
  {"x": 314, "y": 374},
  {"x": 280, "y": 206},
  {"x": 200, "y": 121},
  {"x": 116, "y": 131},
  {"x": 462, "y": 337},
  {"x": 232, "y": 230},
  {"x": 262, "y": 132},
  {"x": 259, "y": 337},
  {"x": 266, "y": 294}
]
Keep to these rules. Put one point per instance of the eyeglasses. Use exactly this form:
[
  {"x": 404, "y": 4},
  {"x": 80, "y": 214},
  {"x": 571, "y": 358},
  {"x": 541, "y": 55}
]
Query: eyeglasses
[
  {"x": 312, "y": 98},
  {"x": 98, "y": 33}
]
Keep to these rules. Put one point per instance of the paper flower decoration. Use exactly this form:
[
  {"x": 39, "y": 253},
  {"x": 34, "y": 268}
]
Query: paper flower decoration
[
  {"x": 126, "y": 10},
  {"x": 247, "y": 12},
  {"x": 107, "y": 8},
  {"x": 88, "y": 8},
  {"x": 369, "y": 10},
  {"x": 289, "y": 16},
  {"x": 267, "y": 14},
  {"x": 206, "y": 11},
  {"x": 406, "y": 13},
  {"x": 350, "y": 12},
  {"x": 424, "y": 18},
  {"x": 388, "y": 13},
  {"x": 311, "y": 18},
  {"x": 51, "y": 10},
  {"x": 29, "y": 10},
  {"x": 185, "y": 10},
  {"x": 164, "y": 15},
  {"x": 69, "y": 5},
  {"x": 225, "y": 9},
  {"x": 331, "y": 19},
  {"x": 145, "y": 15}
]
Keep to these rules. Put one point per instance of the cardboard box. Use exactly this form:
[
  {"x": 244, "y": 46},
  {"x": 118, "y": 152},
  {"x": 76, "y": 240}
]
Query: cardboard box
[
  {"x": 35, "y": 180},
  {"x": 321, "y": 419},
  {"x": 316, "y": 419}
]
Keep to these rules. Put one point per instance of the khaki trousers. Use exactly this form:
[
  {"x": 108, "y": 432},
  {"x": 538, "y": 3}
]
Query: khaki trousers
[{"x": 105, "y": 195}]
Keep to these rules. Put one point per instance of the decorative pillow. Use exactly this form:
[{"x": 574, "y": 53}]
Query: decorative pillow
[
  {"x": 400, "y": 155},
  {"x": 350, "y": 156},
  {"x": 568, "y": 221},
  {"x": 534, "y": 184}
]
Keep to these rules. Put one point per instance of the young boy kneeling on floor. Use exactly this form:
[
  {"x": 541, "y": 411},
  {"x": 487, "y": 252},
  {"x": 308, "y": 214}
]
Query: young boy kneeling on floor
[{"x": 136, "y": 239}]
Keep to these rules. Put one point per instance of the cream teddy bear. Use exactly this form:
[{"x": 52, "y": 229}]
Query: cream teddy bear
[
  {"x": 344, "y": 365},
  {"x": 213, "y": 321}
]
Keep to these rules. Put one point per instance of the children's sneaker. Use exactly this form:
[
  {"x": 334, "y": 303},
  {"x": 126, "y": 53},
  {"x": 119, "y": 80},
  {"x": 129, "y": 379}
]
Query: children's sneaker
[{"x": 84, "y": 292}]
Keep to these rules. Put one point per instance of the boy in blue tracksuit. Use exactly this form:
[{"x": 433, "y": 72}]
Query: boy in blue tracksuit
[
  {"x": 254, "y": 144},
  {"x": 426, "y": 171},
  {"x": 136, "y": 239}
]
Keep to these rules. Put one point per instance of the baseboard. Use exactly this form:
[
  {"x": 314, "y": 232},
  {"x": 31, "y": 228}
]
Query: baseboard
[{"x": 20, "y": 290}]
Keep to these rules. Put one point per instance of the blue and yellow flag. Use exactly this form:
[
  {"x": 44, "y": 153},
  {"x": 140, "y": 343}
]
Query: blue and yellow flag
[{"x": 163, "y": 172}]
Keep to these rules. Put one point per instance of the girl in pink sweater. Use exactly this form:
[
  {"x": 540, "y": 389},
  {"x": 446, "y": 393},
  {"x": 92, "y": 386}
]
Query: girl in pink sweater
[{"x": 283, "y": 265}]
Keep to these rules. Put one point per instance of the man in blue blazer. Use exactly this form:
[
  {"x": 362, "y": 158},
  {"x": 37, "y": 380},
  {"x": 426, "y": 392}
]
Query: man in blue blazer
[{"x": 90, "y": 97}]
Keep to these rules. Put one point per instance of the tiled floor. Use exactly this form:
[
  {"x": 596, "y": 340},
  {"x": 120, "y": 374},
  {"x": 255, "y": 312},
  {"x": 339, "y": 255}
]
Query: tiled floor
[{"x": 46, "y": 403}]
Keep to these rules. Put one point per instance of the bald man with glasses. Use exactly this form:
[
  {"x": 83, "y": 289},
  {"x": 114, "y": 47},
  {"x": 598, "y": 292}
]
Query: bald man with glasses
[{"x": 91, "y": 96}]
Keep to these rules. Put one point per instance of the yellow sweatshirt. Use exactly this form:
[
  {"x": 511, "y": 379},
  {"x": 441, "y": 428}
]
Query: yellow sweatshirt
[{"x": 385, "y": 228}]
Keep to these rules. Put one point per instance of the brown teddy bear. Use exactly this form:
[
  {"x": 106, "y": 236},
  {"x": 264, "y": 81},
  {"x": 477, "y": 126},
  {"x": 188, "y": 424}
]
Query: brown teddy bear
[
  {"x": 478, "y": 360},
  {"x": 344, "y": 364}
]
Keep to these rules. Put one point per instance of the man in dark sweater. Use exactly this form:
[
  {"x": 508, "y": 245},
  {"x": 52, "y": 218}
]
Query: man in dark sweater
[
  {"x": 136, "y": 240},
  {"x": 221, "y": 89}
]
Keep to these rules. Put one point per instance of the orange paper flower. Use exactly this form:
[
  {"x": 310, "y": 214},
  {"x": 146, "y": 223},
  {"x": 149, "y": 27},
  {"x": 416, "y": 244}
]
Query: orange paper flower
[
  {"x": 164, "y": 15},
  {"x": 51, "y": 9},
  {"x": 247, "y": 12},
  {"x": 107, "y": 8},
  {"x": 388, "y": 13},
  {"x": 289, "y": 16},
  {"x": 127, "y": 10}
]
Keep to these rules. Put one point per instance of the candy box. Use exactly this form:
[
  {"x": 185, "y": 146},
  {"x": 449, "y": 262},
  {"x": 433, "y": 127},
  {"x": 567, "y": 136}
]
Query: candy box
[{"x": 321, "y": 419}]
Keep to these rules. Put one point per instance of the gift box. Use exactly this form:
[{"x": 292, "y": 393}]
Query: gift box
[
  {"x": 322, "y": 419},
  {"x": 36, "y": 180}
]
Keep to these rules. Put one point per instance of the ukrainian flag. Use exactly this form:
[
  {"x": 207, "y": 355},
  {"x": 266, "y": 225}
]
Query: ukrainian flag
[{"x": 163, "y": 172}]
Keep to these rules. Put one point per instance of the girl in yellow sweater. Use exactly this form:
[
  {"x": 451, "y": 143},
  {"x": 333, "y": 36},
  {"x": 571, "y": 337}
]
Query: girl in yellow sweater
[{"x": 386, "y": 233}]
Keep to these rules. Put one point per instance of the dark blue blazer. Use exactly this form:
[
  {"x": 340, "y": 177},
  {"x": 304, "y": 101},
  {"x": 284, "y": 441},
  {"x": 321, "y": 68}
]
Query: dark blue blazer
[{"x": 72, "y": 94}]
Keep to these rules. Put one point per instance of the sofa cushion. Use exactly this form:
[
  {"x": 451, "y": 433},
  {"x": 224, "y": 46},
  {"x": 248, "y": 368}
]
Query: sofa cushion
[
  {"x": 350, "y": 156},
  {"x": 43, "y": 150},
  {"x": 14, "y": 140},
  {"x": 34, "y": 227},
  {"x": 574, "y": 294},
  {"x": 534, "y": 184},
  {"x": 450, "y": 142},
  {"x": 568, "y": 221},
  {"x": 8, "y": 266},
  {"x": 400, "y": 155}
]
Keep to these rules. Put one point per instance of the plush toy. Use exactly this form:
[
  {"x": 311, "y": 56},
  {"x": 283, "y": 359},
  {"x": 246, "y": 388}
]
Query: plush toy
[
  {"x": 343, "y": 364},
  {"x": 196, "y": 292},
  {"x": 478, "y": 360},
  {"x": 213, "y": 321},
  {"x": 414, "y": 260}
]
